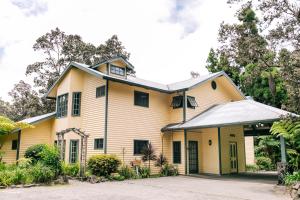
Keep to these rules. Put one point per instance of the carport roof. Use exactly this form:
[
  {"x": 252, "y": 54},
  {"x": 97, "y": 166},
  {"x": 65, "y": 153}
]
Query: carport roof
[{"x": 233, "y": 113}]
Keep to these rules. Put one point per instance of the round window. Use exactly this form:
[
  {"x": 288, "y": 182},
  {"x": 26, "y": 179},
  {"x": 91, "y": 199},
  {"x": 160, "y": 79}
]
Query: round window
[{"x": 214, "y": 85}]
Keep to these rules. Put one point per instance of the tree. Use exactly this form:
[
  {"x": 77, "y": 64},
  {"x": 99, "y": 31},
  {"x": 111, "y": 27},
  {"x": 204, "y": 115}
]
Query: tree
[
  {"x": 148, "y": 154},
  {"x": 7, "y": 125},
  {"x": 4, "y": 108},
  {"x": 25, "y": 102}
]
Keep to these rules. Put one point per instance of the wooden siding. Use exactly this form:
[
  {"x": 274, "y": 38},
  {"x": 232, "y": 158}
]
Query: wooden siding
[{"x": 10, "y": 155}]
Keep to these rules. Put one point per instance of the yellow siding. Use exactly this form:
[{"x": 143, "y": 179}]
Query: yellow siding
[
  {"x": 127, "y": 122},
  {"x": 249, "y": 148},
  {"x": 6, "y": 142},
  {"x": 41, "y": 134},
  {"x": 207, "y": 97},
  {"x": 232, "y": 134}
]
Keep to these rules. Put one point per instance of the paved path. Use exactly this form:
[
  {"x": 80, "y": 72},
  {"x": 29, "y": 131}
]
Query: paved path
[{"x": 166, "y": 188}]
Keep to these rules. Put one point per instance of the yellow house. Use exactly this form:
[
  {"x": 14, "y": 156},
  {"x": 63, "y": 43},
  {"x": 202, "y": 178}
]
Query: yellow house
[{"x": 198, "y": 124}]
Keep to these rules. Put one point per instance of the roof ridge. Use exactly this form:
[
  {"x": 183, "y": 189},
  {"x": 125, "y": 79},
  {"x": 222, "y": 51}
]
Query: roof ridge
[{"x": 270, "y": 108}]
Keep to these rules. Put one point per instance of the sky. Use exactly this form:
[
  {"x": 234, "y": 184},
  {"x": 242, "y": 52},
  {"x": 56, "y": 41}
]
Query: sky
[{"x": 167, "y": 39}]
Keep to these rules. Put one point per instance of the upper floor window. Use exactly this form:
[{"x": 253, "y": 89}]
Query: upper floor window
[
  {"x": 100, "y": 91},
  {"x": 117, "y": 70},
  {"x": 62, "y": 105},
  {"x": 141, "y": 99},
  {"x": 177, "y": 102},
  {"x": 76, "y": 103}
]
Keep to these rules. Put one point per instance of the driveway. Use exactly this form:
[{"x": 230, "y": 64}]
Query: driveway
[{"x": 165, "y": 188}]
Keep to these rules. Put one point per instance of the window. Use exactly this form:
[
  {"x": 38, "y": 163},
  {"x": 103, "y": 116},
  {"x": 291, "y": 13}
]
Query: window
[
  {"x": 177, "y": 102},
  {"x": 117, "y": 70},
  {"x": 100, "y": 91},
  {"x": 141, "y": 99},
  {"x": 14, "y": 145},
  {"x": 177, "y": 152},
  {"x": 139, "y": 145},
  {"x": 64, "y": 150},
  {"x": 98, "y": 143},
  {"x": 62, "y": 105},
  {"x": 214, "y": 85},
  {"x": 73, "y": 156},
  {"x": 76, "y": 103}
]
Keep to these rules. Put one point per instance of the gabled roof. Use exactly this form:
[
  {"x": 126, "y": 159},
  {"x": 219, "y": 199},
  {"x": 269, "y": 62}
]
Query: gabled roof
[
  {"x": 130, "y": 80},
  {"x": 242, "y": 112},
  {"x": 116, "y": 58}
]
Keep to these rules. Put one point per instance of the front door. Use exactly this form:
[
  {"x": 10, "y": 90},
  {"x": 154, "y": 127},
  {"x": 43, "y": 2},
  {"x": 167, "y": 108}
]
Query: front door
[
  {"x": 233, "y": 157},
  {"x": 193, "y": 157},
  {"x": 74, "y": 145}
]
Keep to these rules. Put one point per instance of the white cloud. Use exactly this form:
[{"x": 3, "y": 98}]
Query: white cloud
[{"x": 157, "y": 46}]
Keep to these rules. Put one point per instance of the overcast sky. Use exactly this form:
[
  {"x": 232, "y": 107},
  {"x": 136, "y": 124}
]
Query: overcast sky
[{"x": 167, "y": 39}]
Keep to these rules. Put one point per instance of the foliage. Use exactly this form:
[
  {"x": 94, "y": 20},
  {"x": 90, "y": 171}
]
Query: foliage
[
  {"x": 264, "y": 163},
  {"x": 161, "y": 160},
  {"x": 103, "y": 165},
  {"x": 7, "y": 125},
  {"x": 50, "y": 157},
  {"x": 148, "y": 154},
  {"x": 127, "y": 172},
  {"x": 70, "y": 169},
  {"x": 2, "y": 153},
  {"x": 34, "y": 152},
  {"x": 292, "y": 178},
  {"x": 252, "y": 168},
  {"x": 169, "y": 170},
  {"x": 42, "y": 173},
  {"x": 289, "y": 128},
  {"x": 24, "y": 163},
  {"x": 117, "y": 177},
  {"x": 144, "y": 172}
]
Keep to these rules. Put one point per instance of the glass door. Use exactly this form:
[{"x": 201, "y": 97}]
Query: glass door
[
  {"x": 74, "y": 145},
  {"x": 193, "y": 157},
  {"x": 233, "y": 157}
]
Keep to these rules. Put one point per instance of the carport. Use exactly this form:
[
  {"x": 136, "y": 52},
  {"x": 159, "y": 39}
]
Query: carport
[{"x": 255, "y": 118}]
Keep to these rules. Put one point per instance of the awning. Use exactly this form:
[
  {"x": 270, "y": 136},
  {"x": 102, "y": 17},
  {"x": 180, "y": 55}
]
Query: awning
[{"x": 244, "y": 112}]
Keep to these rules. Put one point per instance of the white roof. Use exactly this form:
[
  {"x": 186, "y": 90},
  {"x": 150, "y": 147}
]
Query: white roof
[
  {"x": 39, "y": 118},
  {"x": 233, "y": 113}
]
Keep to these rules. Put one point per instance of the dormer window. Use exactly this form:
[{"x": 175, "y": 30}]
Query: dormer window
[
  {"x": 117, "y": 70},
  {"x": 177, "y": 102}
]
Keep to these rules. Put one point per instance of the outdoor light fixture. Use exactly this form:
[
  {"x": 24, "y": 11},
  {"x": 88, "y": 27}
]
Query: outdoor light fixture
[{"x": 209, "y": 142}]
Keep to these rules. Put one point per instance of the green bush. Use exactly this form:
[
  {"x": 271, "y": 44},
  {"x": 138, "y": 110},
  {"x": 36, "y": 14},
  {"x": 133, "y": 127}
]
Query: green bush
[
  {"x": 42, "y": 173},
  {"x": 264, "y": 163},
  {"x": 292, "y": 178},
  {"x": 252, "y": 168},
  {"x": 127, "y": 172},
  {"x": 50, "y": 157},
  {"x": 169, "y": 170},
  {"x": 103, "y": 165},
  {"x": 117, "y": 177},
  {"x": 70, "y": 169},
  {"x": 34, "y": 151},
  {"x": 144, "y": 172}
]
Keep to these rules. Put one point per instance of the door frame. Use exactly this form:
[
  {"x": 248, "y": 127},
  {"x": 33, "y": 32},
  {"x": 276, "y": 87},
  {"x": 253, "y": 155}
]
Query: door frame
[
  {"x": 197, "y": 151},
  {"x": 237, "y": 157}
]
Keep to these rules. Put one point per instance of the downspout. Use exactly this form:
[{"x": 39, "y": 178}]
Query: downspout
[
  {"x": 220, "y": 151},
  {"x": 106, "y": 115},
  {"x": 18, "y": 147},
  {"x": 184, "y": 103}
]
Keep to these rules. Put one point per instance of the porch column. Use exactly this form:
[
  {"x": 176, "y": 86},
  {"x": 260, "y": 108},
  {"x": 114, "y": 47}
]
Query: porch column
[
  {"x": 282, "y": 149},
  {"x": 220, "y": 151},
  {"x": 18, "y": 147},
  {"x": 184, "y": 103}
]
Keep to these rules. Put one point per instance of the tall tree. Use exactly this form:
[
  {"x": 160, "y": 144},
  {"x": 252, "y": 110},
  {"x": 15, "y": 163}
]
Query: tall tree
[{"x": 4, "y": 108}]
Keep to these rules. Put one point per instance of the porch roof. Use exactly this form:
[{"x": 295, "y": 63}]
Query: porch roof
[{"x": 242, "y": 112}]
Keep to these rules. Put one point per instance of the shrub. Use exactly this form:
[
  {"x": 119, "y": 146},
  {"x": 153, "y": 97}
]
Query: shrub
[
  {"x": 127, "y": 172},
  {"x": 144, "y": 172},
  {"x": 161, "y": 160},
  {"x": 169, "y": 170},
  {"x": 117, "y": 177},
  {"x": 264, "y": 163},
  {"x": 50, "y": 157},
  {"x": 34, "y": 151},
  {"x": 292, "y": 178},
  {"x": 103, "y": 165},
  {"x": 70, "y": 169},
  {"x": 42, "y": 173},
  {"x": 252, "y": 168},
  {"x": 24, "y": 163}
]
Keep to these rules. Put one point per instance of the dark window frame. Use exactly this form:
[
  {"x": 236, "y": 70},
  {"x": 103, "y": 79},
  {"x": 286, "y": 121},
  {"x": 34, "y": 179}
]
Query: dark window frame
[
  {"x": 76, "y": 153},
  {"x": 177, "y": 152},
  {"x": 137, "y": 148},
  {"x": 62, "y": 105},
  {"x": 101, "y": 146},
  {"x": 76, "y": 104},
  {"x": 141, "y": 102},
  {"x": 177, "y": 102},
  {"x": 120, "y": 71},
  {"x": 100, "y": 91},
  {"x": 14, "y": 144}
]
